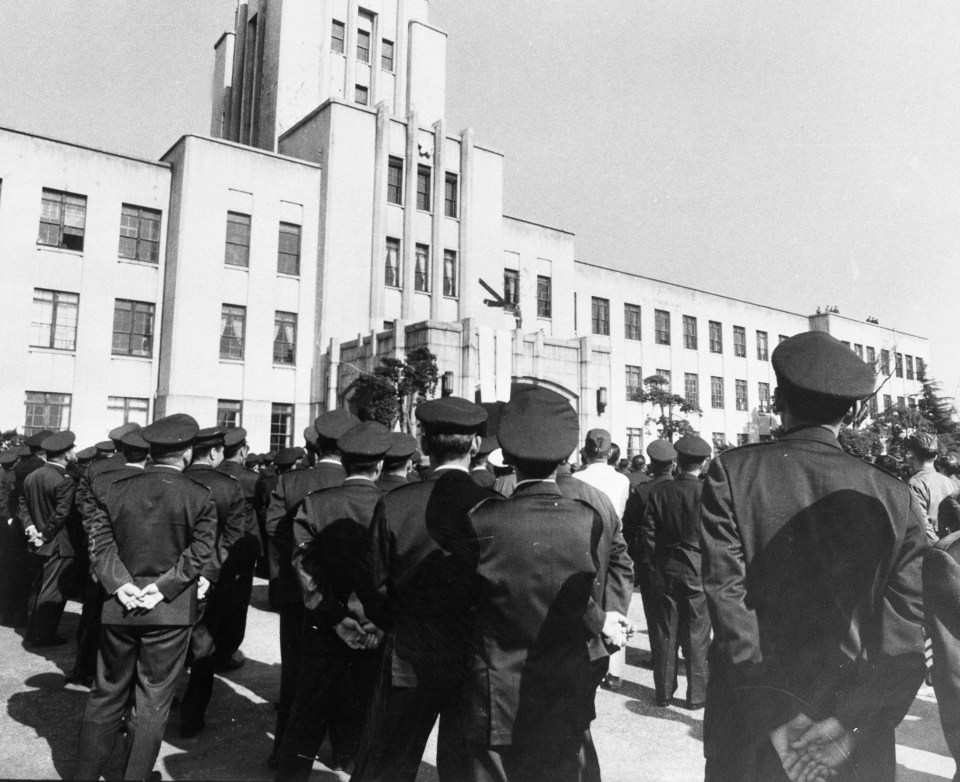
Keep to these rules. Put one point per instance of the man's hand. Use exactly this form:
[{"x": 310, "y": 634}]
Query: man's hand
[
  {"x": 823, "y": 748},
  {"x": 33, "y": 534},
  {"x": 374, "y": 635},
  {"x": 203, "y": 586},
  {"x": 129, "y": 596},
  {"x": 351, "y": 632},
  {"x": 616, "y": 628},
  {"x": 150, "y": 597}
]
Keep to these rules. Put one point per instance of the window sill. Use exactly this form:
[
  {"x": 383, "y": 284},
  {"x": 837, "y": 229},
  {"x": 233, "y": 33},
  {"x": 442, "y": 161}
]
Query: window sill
[
  {"x": 423, "y": 293},
  {"x": 62, "y": 250},
  {"x": 135, "y": 262},
  {"x": 393, "y": 287},
  {"x": 454, "y": 219},
  {"x": 138, "y": 359},
  {"x": 236, "y": 268},
  {"x": 284, "y": 366},
  {"x": 53, "y": 351},
  {"x": 286, "y": 276},
  {"x": 224, "y": 360},
  {"x": 425, "y": 211},
  {"x": 448, "y": 297},
  {"x": 547, "y": 318}
]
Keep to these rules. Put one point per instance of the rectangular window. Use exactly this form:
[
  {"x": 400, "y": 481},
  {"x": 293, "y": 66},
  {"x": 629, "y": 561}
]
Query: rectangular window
[
  {"x": 544, "y": 297},
  {"x": 281, "y": 427},
  {"x": 386, "y": 55},
  {"x": 661, "y": 319},
  {"x": 691, "y": 388},
  {"x": 763, "y": 393},
  {"x": 288, "y": 249},
  {"x": 667, "y": 378},
  {"x": 899, "y": 364},
  {"x": 887, "y": 401},
  {"x": 600, "y": 315},
  {"x": 338, "y": 36},
  {"x": 450, "y": 273},
  {"x": 719, "y": 441},
  {"x": 743, "y": 439},
  {"x": 229, "y": 413},
  {"x": 421, "y": 269},
  {"x": 54, "y": 319},
  {"x": 511, "y": 289},
  {"x": 716, "y": 392},
  {"x": 901, "y": 402},
  {"x": 395, "y": 181},
  {"x": 46, "y": 411},
  {"x": 634, "y": 441},
  {"x": 363, "y": 46},
  {"x": 909, "y": 367},
  {"x": 689, "y": 332},
  {"x": 63, "y": 217},
  {"x": 233, "y": 325},
  {"x": 284, "y": 338},
  {"x": 391, "y": 268},
  {"x": 631, "y": 321},
  {"x": 762, "y": 350},
  {"x": 133, "y": 328},
  {"x": 716, "y": 337},
  {"x": 423, "y": 188},
  {"x": 634, "y": 377},
  {"x": 858, "y": 349},
  {"x": 740, "y": 388},
  {"x": 871, "y": 356},
  {"x": 884, "y": 361},
  {"x": 139, "y": 233},
  {"x": 361, "y": 94},
  {"x": 921, "y": 369},
  {"x": 739, "y": 341},
  {"x": 238, "y": 240},
  {"x": 126, "y": 409},
  {"x": 450, "y": 190},
  {"x": 872, "y": 402}
]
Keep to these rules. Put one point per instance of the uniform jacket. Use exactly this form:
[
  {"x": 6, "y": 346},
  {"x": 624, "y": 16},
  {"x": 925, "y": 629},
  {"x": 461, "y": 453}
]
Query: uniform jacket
[
  {"x": 7, "y": 490},
  {"x": 941, "y": 607},
  {"x": 633, "y": 518},
  {"x": 390, "y": 482},
  {"x": 87, "y": 494},
  {"x": 22, "y": 469},
  {"x": 670, "y": 529},
  {"x": 286, "y": 497},
  {"x": 330, "y": 533},
  {"x": 231, "y": 509},
  {"x": 158, "y": 526},
  {"x": 537, "y": 563},
  {"x": 100, "y": 466},
  {"x": 811, "y": 568},
  {"x": 421, "y": 565},
  {"x": 250, "y": 547},
  {"x": 47, "y": 502}
]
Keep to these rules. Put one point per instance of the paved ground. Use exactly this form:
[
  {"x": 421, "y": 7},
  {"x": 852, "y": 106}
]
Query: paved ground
[{"x": 635, "y": 740}]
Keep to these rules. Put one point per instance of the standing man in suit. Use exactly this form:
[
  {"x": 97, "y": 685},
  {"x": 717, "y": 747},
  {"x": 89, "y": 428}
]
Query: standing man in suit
[
  {"x": 151, "y": 537},
  {"x": 811, "y": 568},
  {"x": 47, "y": 511},
  {"x": 670, "y": 535},
  {"x": 285, "y": 500},
  {"x": 421, "y": 568},
  {"x": 338, "y": 642}
]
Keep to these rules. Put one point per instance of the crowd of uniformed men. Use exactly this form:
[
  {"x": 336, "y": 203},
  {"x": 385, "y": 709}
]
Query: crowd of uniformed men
[{"x": 490, "y": 591}]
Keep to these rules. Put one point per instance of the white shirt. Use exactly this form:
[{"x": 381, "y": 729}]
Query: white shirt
[{"x": 605, "y": 478}]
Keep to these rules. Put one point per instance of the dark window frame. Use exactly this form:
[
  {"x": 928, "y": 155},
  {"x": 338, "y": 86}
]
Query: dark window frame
[
  {"x": 133, "y": 341},
  {"x": 661, "y": 325},
  {"x": 284, "y": 350},
  {"x": 392, "y": 275},
  {"x": 58, "y": 231},
  {"x": 239, "y": 258},
  {"x": 395, "y": 180},
  {"x": 60, "y": 302},
  {"x": 544, "y": 296},
  {"x": 144, "y": 248},
  {"x": 715, "y": 328},
  {"x": 288, "y": 257},
  {"x": 631, "y": 325},
  {"x": 690, "y": 332},
  {"x": 424, "y": 183},
  {"x": 233, "y": 348},
  {"x": 600, "y": 315}
]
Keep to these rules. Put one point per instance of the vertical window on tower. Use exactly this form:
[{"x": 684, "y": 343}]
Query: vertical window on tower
[
  {"x": 281, "y": 426},
  {"x": 716, "y": 337},
  {"x": 233, "y": 324},
  {"x": 716, "y": 392},
  {"x": 631, "y": 321},
  {"x": 899, "y": 364},
  {"x": 363, "y": 45},
  {"x": 229, "y": 413},
  {"x": 634, "y": 382},
  {"x": 450, "y": 273},
  {"x": 884, "y": 360},
  {"x": 544, "y": 297},
  {"x": 395, "y": 181},
  {"x": 511, "y": 289},
  {"x": 450, "y": 195},
  {"x": 423, "y": 188},
  {"x": 238, "y": 240},
  {"x": 284, "y": 337},
  {"x": 391, "y": 269},
  {"x": 887, "y": 401},
  {"x": 909, "y": 367},
  {"x": 871, "y": 356},
  {"x": 689, "y": 332},
  {"x": 338, "y": 36},
  {"x": 763, "y": 390},
  {"x": 600, "y": 315},
  {"x": 872, "y": 404},
  {"x": 361, "y": 95},
  {"x": 63, "y": 218},
  {"x": 288, "y": 249},
  {"x": 661, "y": 319},
  {"x": 740, "y": 386},
  {"x": 739, "y": 341},
  {"x": 762, "y": 349},
  {"x": 691, "y": 388},
  {"x": 421, "y": 269},
  {"x": 386, "y": 55},
  {"x": 921, "y": 369}
]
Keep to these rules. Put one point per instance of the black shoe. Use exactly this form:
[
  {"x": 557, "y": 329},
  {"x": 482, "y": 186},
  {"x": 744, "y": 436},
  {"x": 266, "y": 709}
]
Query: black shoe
[
  {"x": 53, "y": 640},
  {"x": 190, "y": 729},
  {"x": 614, "y": 683},
  {"x": 663, "y": 702}
]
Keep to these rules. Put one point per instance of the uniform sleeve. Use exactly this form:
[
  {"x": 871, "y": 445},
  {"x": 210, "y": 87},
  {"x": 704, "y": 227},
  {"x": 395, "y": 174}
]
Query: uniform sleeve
[
  {"x": 276, "y": 508},
  {"x": 373, "y": 591},
  {"x": 194, "y": 558},
  {"x": 104, "y": 555},
  {"x": 63, "y": 497},
  {"x": 948, "y": 516},
  {"x": 319, "y": 597},
  {"x": 647, "y": 533},
  {"x": 232, "y": 532},
  {"x": 619, "y": 587}
]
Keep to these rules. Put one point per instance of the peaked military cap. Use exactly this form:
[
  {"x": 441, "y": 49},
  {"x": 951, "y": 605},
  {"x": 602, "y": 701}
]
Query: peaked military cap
[
  {"x": 120, "y": 431},
  {"x": 451, "y": 414},
  {"x": 488, "y": 432},
  {"x": 34, "y": 440},
  {"x": 86, "y": 455},
  {"x": 234, "y": 437},
  {"x": 9, "y": 457},
  {"x": 252, "y": 460},
  {"x": 24, "y": 451},
  {"x": 816, "y": 363},
  {"x": 369, "y": 440},
  {"x": 269, "y": 457},
  {"x": 211, "y": 437},
  {"x": 58, "y": 442},
  {"x": 402, "y": 446},
  {"x": 287, "y": 456},
  {"x": 335, "y": 423},
  {"x": 310, "y": 436},
  {"x": 661, "y": 451},
  {"x": 598, "y": 440},
  {"x": 693, "y": 446},
  {"x": 538, "y": 425},
  {"x": 106, "y": 446},
  {"x": 133, "y": 441},
  {"x": 175, "y": 432}
]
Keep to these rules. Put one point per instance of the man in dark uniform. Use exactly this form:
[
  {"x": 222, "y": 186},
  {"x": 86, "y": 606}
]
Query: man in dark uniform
[
  {"x": 287, "y": 495},
  {"x": 110, "y": 453},
  {"x": 662, "y": 460},
  {"x": 638, "y": 471},
  {"x": 46, "y": 510},
  {"x": 670, "y": 534},
  {"x": 481, "y": 473},
  {"x": 229, "y": 625},
  {"x": 397, "y": 462},
  {"x": 529, "y": 693},
  {"x": 25, "y": 565},
  {"x": 8, "y": 461},
  {"x": 268, "y": 566},
  {"x": 231, "y": 527},
  {"x": 338, "y": 641},
  {"x": 419, "y": 564},
  {"x": 811, "y": 568},
  {"x": 151, "y": 537}
]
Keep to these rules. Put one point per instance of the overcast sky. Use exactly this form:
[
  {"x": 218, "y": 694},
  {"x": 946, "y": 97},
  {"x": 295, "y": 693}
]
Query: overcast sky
[{"x": 795, "y": 155}]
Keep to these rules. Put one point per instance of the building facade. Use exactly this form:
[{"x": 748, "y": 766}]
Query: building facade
[{"x": 332, "y": 219}]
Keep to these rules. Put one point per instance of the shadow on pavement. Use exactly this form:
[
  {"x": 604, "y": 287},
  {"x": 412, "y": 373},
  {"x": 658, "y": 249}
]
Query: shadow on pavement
[
  {"x": 61, "y": 656},
  {"x": 921, "y": 728},
  {"x": 642, "y": 703},
  {"x": 905, "y": 774}
]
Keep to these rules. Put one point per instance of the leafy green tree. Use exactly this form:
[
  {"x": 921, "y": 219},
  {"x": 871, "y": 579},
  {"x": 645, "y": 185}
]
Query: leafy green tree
[
  {"x": 656, "y": 391},
  {"x": 393, "y": 390}
]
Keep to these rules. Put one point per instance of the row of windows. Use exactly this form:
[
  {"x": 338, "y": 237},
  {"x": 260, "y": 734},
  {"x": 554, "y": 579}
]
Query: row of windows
[
  {"x": 424, "y": 189},
  {"x": 393, "y": 271},
  {"x": 338, "y": 39},
  {"x": 238, "y": 244},
  {"x": 233, "y": 330},
  {"x": 691, "y": 389},
  {"x": 511, "y": 293},
  {"x": 230, "y": 415},
  {"x": 600, "y": 324}
]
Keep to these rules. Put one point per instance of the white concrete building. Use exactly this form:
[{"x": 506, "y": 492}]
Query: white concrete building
[{"x": 331, "y": 219}]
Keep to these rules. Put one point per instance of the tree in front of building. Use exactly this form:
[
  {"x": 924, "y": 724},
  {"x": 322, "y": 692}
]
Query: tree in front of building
[
  {"x": 672, "y": 407},
  {"x": 393, "y": 390}
]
